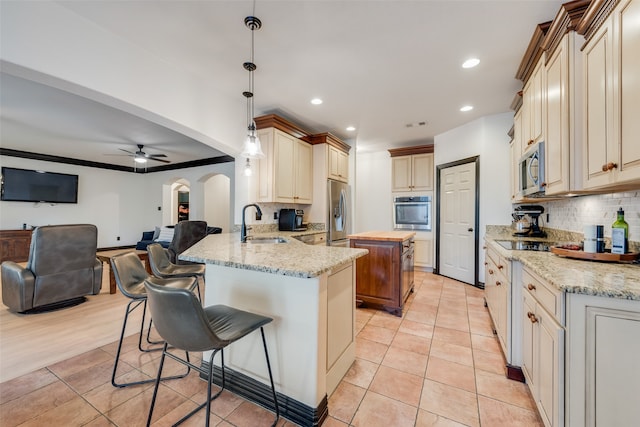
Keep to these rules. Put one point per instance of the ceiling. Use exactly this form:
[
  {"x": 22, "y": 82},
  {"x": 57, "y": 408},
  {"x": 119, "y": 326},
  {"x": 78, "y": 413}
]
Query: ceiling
[{"x": 383, "y": 67}]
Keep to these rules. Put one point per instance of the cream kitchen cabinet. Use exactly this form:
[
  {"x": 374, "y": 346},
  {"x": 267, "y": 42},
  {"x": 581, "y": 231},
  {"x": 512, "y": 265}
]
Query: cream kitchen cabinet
[
  {"x": 412, "y": 173},
  {"x": 331, "y": 155},
  {"x": 423, "y": 251},
  {"x": 533, "y": 107},
  {"x": 515, "y": 150},
  {"x": 497, "y": 293},
  {"x": 338, "y": 164},
  {"x": 603, "y": 373},
  {"x": 285, "y": 175},
  {"x": 543, "y": 347},
  {"x": 560, "y": 116},
  {"x": 612, "y": 99}
]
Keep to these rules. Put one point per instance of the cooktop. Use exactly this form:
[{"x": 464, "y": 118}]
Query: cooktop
[{"x": 525, "y": 245}]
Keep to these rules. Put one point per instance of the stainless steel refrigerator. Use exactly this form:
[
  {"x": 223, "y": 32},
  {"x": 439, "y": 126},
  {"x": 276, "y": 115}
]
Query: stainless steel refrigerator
[{"x": 339, "y": 219}]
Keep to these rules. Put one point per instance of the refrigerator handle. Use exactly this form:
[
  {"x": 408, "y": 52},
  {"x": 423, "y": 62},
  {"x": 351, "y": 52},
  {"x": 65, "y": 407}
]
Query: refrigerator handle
[{"x": 343, "y": 212}]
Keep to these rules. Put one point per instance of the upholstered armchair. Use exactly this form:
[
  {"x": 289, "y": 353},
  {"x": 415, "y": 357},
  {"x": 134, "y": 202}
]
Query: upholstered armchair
[
  {"x": 62, "y": 268},
  {"x": 186, "y": 234}
]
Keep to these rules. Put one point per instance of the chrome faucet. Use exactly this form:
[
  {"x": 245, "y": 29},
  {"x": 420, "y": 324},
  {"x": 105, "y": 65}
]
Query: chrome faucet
[{"x": 243, "y": 229}]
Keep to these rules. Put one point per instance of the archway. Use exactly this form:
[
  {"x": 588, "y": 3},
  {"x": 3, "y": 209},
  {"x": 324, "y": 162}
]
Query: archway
[{"x": 217, "y": 201}]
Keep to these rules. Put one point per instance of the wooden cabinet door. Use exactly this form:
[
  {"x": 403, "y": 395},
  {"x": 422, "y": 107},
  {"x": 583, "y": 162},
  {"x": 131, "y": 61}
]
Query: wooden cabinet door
[
  {"x": 423, "y": 252},
  {"x": 284, "y": 172},
  {"x": 303, "y": 166},
  {"x": 338, "y": 164},
  {"x": 529, "y": 337},
  {"x": 558, "y": 119},
  {"x": 627, "y": 46},
  {"x": 401, "y": 173},
  {"x": 537, "y": 103},
  {"x": 422, "y": 172},
  {"x": 378, "y": 274},
  {"x": 598, "y": 102},
  {"x": 549, "y": 351}
]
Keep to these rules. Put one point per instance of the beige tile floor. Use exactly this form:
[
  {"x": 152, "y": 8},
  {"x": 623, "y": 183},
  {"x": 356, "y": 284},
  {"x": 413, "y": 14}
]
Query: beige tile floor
[{"x": 438, "y": 365}]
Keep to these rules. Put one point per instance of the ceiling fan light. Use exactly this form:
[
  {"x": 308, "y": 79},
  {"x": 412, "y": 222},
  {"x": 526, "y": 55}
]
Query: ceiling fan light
[{"x": 139, "y": 160}]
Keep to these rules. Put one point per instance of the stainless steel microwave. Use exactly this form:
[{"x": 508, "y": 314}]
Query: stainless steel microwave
[
  {"x": 412, "y": 213},
  {"x": 531, "y": 172}
]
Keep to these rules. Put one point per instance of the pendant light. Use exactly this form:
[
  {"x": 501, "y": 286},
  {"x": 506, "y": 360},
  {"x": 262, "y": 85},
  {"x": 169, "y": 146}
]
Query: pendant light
[{"x": 251, "y": 148}]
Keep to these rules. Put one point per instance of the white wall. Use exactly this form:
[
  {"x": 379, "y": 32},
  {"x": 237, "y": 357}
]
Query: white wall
[
  {"x": 119, "y": 203},
  {"x": 217, "y": 209},
  {"x": 486, "y": 137},
  {"x": 372, "y": 192}
]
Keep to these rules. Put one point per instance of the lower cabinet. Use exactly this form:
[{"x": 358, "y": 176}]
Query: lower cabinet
[
  {"x": 423, "y": 253},
  {"x": 384, "y": 277},
  {"x": 496, "y": 289},
  {"x": 543, "y": 347},
  {"x": 603, "y": 361}
]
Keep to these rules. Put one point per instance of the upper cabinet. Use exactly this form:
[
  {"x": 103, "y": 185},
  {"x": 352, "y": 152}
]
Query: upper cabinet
[
  {"x": 562, "y": 118},
  {"x": 611, "y": 94},
  {"x": 412, "y": 168},
  {"x": 285, "y": 175},
  {"x": 533, "y": 108},
  {"x": 335, "y": 154}
]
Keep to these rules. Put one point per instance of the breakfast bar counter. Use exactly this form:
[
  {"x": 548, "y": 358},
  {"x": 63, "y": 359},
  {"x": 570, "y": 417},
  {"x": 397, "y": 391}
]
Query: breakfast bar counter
[{"x": 309, "y": 291}]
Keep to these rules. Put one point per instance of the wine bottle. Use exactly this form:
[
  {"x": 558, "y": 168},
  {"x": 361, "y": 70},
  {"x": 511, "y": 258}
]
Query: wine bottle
[{"x": 619, "y": 234}]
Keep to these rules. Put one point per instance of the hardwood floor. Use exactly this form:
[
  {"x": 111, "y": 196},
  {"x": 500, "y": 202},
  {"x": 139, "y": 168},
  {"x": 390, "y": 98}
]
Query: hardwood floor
[{"x": 32, "y": 341}]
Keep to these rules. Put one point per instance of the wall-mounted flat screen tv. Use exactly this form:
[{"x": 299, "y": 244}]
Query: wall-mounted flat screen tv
[{"x": 23, "y": 185}]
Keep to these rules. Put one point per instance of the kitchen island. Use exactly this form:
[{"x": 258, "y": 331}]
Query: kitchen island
[
  {"x": 573, "y": 326},
  {"x": 384, "y": 278},
  {"x": 309, "y": 291}
]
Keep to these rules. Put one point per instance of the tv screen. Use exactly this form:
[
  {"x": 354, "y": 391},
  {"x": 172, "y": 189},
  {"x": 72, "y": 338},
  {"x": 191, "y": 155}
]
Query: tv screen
[{"x": 23, "y": 185}]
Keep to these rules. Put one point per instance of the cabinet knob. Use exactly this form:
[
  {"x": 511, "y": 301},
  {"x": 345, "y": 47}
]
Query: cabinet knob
[
  {"x": 486, "y": 263},
  {"x": 484, "y": 247},
  {"x": 500, "y": 267},
  {"x": 498, "y": 283},
  {"x": 531, "y": 287},
  {"x": 490, "y": 271},
  {"x": 529, "y": 142},
  {"x": 543, "y": 184},
  {"x": 609, "y": 167},
  {"x": 469, "y": 230},
  {"x": 532, "y": 317}
]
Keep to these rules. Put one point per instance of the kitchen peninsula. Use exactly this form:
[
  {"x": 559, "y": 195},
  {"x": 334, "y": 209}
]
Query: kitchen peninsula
[{"x": 309, "y": 291}]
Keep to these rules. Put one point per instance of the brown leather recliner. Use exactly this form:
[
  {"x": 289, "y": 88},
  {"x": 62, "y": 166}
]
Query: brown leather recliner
[
  {"x": 186, "y": 234},
  {"x": 62, "y": 269}
]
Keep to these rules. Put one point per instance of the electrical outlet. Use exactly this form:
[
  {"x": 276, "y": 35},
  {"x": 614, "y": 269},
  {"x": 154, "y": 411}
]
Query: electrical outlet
[
  {"x": 118, "y": 238},
  {"x": 257, "y": 219},
  {"x": 275, "y": 215}
]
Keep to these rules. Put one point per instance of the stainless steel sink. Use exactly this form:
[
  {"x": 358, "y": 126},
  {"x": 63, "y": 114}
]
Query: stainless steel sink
[{"x": 265, "y": 240}]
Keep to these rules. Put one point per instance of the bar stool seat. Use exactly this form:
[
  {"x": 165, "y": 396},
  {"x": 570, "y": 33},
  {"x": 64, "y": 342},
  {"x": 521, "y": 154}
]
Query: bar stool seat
[
  {"x": 162, "y": 267},
  {"x": 184, "y": 324}
]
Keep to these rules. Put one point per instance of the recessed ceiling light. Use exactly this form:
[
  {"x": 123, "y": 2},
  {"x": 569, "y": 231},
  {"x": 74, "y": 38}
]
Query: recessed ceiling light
[
  {"x": 470, "y": 63},
  {"x": 316, "y": 101},
  {"x": 350, "y": 128},
  {"x": 466, "y": 108}
]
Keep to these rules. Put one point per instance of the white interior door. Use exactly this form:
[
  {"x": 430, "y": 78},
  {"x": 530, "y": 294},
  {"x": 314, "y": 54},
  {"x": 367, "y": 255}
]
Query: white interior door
[{"x": 457, "y": 222}]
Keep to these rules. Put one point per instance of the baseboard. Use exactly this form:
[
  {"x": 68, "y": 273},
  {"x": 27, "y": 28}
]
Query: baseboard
[
  {"x": 515, "y": 373},
  {"x": 260, "y": 393}
]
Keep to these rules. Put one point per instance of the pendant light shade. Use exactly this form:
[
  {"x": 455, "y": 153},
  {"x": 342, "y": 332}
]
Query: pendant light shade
[{"x": 251, "y": 148}]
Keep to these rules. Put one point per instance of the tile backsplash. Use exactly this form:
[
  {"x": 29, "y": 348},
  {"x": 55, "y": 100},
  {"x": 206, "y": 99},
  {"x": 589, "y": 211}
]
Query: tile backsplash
[{"x": 572, "y": 214}]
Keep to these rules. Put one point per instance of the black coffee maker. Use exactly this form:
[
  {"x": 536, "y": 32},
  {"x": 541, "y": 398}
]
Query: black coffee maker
[
  {"x": 534, "y": 212},
  {"x": 290, "y": 220}
]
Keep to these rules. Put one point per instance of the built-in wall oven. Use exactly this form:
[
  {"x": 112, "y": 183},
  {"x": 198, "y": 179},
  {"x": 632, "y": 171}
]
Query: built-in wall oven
[{"x": 412, "y": 213}]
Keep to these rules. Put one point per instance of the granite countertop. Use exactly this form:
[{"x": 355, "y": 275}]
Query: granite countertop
[
  {"x": 292, "y": 258},
  {"x": 614, "y": 280},
  {"x": 389, "y": 236}
]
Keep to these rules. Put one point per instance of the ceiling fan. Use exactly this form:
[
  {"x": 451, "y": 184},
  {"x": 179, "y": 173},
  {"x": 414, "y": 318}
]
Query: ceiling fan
[{"x": 142, "y": 157}]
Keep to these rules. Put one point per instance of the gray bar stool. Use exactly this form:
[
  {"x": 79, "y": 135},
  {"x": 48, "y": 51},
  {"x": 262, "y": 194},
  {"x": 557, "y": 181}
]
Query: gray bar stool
[
  {"x": 162, "y": 266},
  {"x": 184, "y": 324},
  {"x": 130, "y": 276}
]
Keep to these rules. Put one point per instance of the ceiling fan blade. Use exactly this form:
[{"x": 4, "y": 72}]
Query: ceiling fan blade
[
  {"x": 126, "y": 151},
  {"x": 149, "y": 156},
  {"x": 159, "y": 160}
]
